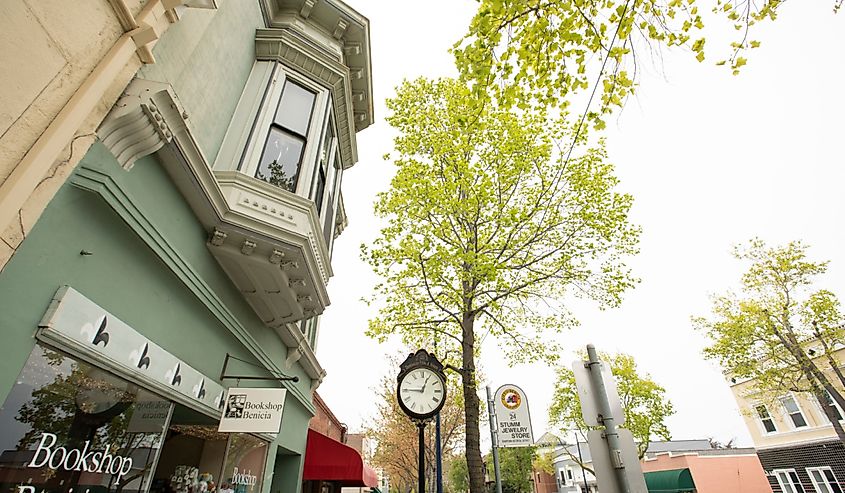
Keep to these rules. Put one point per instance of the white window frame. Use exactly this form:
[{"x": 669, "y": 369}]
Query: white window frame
[
  {"x": 827, "y": 484},
  {"x": 792, "y": 487},
  {"x": 264, "y": 120},
  {"x": 820, "y": 406},
  {"x": 788, "y": 417},
  {"x": 760, "y": 419}
]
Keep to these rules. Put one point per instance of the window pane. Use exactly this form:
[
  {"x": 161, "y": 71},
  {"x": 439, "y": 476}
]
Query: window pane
[
  {"x": 796, "y": 482},
  {"x": 294, "y": 112},
  {"x": 319, "y": 192},
  {"x": 243, "y": 471},
  {"x": 762, "y": 412},
  {"x": 835, "y": 407},
  {"x": 790, "y": 405},
  {"x": 68, "y": 426},
  {"x": 328, "y": 226},
  {"x": 280, "y": 160},
  {"x": 769, "y": 425},
  {"x": 798, "y": 420},
  {"x": 327, "y": 142},
  {"x": 785, "y": 484}
]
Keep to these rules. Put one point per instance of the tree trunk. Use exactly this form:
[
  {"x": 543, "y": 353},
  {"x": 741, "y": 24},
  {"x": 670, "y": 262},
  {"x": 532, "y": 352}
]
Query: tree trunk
[
  {"x": 471, "y": 405},
  {"x": 830, "y": 412},
  {"x": 814, "y": 375}
]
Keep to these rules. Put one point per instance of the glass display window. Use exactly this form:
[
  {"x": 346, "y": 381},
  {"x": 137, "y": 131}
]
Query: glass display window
[{"x": 69, "y": 426}]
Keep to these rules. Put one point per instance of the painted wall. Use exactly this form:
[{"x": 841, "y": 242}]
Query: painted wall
[
  {"x": 132, "y": 280},
  {"x": 716, "y": 473},
  {"x": 67, "y": 41},
  {"x": 207, "y": 57}
]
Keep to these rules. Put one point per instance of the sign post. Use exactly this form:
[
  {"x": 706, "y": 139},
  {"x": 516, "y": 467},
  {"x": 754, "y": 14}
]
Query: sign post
[
  {"x": 617, "y": 468},
  {"x": 491, "y": 412}
]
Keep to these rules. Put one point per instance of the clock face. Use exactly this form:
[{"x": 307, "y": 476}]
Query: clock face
[{"x": 421, "y": 392}]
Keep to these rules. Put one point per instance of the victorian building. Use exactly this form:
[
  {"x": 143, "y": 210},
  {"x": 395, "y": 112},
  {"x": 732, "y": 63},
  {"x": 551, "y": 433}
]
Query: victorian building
[
  {"x": 794, "y": 438},
  {"x": 170, "y": 194}
]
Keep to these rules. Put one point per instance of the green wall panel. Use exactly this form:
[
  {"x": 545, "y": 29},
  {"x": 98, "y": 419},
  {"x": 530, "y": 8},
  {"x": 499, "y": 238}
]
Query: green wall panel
[{"x": 207, "y": 57}]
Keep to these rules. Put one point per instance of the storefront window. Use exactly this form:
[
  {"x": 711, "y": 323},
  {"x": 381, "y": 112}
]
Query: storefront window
[
  {"x": 68, "y": 426},
  {"x": 244, "y": 468}
]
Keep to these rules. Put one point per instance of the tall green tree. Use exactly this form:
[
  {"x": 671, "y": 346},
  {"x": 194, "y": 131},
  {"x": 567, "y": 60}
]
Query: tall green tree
[
  {"x": 458, "y": 475},
  {"x": 516, "y": 466},
  {"x": 543, "y": 51},
  {"x": 777, "y": 331},
  {"x": 488, "y": 228},
  {"x": 644, "y": 403}
]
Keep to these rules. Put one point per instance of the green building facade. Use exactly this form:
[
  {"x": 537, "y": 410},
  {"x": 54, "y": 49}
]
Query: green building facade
[{"x": 195, "y": 232}]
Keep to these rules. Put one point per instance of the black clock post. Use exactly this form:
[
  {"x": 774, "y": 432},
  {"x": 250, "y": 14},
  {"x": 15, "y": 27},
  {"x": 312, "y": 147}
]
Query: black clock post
[{"x": 421, "y": 392}]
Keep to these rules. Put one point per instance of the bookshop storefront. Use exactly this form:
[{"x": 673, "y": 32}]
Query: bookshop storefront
[{"x": 99, "y": 408}]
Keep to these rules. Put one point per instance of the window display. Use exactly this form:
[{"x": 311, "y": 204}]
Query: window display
[{"x": 68, "y": 425}]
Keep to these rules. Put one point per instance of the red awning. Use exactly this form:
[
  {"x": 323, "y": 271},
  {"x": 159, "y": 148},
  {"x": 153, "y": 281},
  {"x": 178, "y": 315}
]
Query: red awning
[{"x": 330, "y": 460}]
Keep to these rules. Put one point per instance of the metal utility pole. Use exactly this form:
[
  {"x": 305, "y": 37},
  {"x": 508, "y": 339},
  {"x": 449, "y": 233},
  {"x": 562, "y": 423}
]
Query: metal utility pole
[
  {"x": 606, "y": 417},
  {"x": 491, "y": 411}
]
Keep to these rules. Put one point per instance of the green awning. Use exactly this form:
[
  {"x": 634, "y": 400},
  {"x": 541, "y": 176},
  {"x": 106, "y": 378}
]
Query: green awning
[{"x": 672, "y": 481}]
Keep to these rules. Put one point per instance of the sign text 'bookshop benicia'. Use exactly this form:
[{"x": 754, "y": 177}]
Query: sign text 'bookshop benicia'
[
  {"x": 251, "y": 410},
  {"x": 512, "y": 417}
]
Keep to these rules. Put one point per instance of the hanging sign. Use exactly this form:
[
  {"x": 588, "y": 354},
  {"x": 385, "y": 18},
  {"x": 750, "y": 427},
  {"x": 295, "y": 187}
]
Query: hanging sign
[
  {"x": 251, "y": 410},
  {"x": 512, "y": 417}
]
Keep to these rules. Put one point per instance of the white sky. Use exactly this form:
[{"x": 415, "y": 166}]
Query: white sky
[{"x": 711, "y": 160}]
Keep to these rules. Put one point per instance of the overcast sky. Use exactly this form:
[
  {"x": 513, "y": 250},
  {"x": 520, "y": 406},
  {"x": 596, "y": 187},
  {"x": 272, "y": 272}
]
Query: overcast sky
[{"x": 711, "y": 160}]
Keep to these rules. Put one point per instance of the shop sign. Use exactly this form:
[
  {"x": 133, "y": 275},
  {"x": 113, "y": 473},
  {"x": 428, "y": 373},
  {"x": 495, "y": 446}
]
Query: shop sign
[
  {"x": 513, "y": 418},
  {"x": 74, "y": 459},
  {"x": 76, "y": 321},
  {"x": 252, "y": 410}
]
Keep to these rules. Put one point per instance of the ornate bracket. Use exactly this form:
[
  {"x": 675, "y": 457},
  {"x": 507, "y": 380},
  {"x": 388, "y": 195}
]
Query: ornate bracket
[{"x": 143, "y": 120}]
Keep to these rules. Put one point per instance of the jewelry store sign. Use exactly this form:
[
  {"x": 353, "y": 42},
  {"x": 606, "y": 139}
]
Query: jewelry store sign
[
  {"x": 251, "y": 410},
  {"x": 512, "y": 417}
]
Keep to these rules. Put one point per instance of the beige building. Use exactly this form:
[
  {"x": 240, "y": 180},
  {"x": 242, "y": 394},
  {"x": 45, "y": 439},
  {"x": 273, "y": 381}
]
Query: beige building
[
  {"x": 796, "y": 443},
  {"x": 64, "y": 66}
]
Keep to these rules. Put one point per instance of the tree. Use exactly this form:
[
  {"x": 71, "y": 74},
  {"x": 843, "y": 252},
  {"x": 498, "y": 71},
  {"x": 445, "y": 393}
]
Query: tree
[
  {"x": 532, "y": 51},
  {"x": 488, "y": 229},
  {"x": 396, "y": 436},
  {"x": 515, "y": 464},
  {"x": 643, "y": 401},
  {"x": 770, "y": 332},
  {"x": 458, "y": 474}
]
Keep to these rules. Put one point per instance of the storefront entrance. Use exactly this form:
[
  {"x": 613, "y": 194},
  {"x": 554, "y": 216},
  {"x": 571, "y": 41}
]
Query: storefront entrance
[
  {"x": 68, "y": 426},
  {"x": 196, "y": 458}
]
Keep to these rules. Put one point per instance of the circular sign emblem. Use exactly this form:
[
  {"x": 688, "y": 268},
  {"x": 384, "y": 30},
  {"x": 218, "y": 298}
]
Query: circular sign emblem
[{"x": 511, "y": 399}]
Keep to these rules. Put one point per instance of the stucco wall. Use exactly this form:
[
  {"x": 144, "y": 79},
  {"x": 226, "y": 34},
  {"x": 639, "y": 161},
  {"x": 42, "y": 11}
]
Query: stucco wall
[
  {"x": 716, "y": 473},
  {"x": 48, "y": 48},
  {"x": 207, "y": 58},
  {"x": 130, "y": 280}
]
